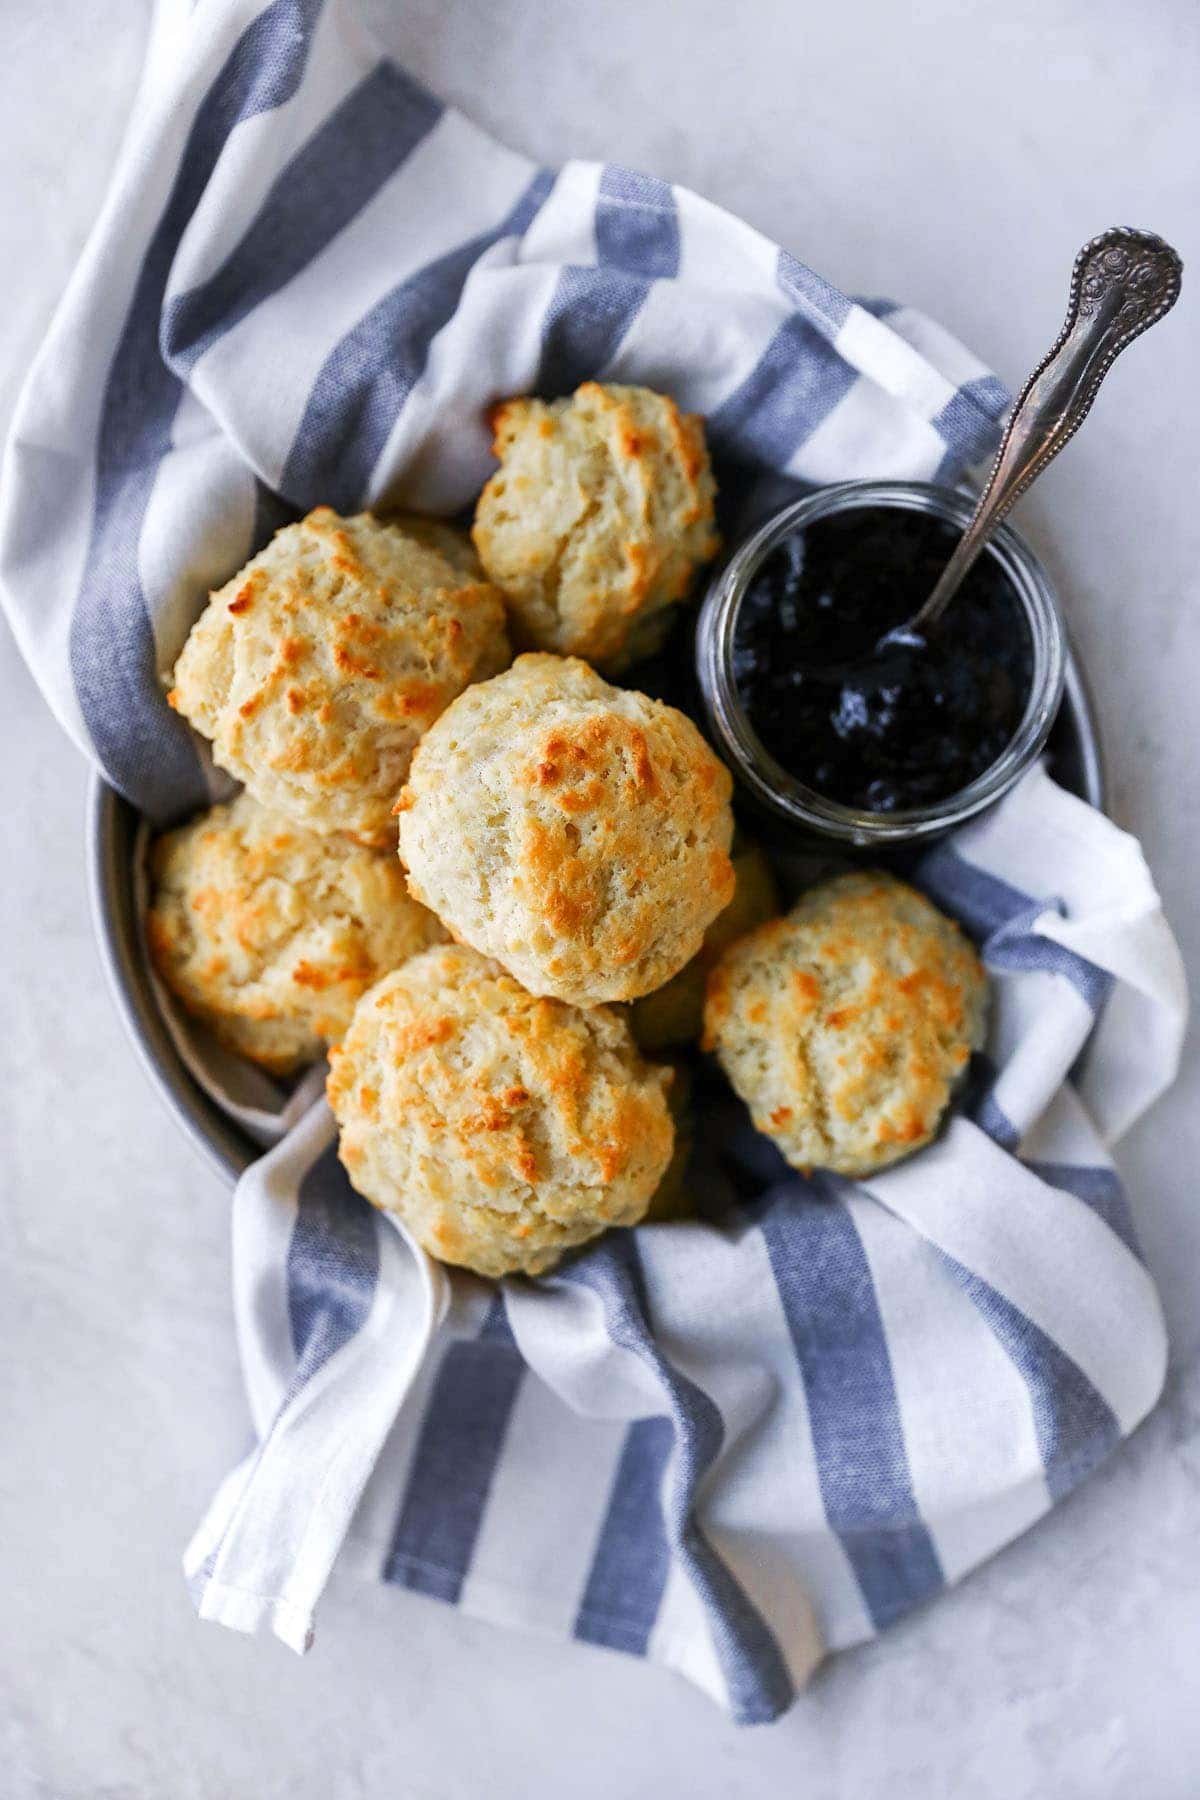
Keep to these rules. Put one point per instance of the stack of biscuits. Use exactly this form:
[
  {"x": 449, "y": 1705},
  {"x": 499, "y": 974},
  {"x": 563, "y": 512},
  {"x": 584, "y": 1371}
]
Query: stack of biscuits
[{"x": 567, "y": 907}]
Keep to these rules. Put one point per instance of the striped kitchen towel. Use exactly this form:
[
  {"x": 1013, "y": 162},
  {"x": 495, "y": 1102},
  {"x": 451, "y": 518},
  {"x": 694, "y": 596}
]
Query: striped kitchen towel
[
  {"x": 736, "y": 1445},
  {"x": 729, "y": 1446}
]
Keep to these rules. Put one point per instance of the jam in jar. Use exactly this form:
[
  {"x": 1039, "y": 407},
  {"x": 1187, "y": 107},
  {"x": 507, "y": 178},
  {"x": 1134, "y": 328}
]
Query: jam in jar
[{"x": 877, "y": 722}]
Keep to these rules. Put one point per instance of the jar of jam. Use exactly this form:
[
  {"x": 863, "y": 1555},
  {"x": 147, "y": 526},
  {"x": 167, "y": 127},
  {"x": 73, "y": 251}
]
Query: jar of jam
[{"x": 843, "y": 727}]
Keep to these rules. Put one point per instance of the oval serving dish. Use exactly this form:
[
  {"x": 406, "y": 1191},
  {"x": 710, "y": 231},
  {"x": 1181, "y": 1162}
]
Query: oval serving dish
[{"x": 112, "y": 828}]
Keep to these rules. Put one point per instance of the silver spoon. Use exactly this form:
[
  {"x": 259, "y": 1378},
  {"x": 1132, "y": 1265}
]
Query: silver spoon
[{"x": 1123, "y": 282}]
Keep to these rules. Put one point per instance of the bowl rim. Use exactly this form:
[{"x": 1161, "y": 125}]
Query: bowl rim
[
  {"x": 111, "y": 836},
  {"x": 110, "y": 839}
]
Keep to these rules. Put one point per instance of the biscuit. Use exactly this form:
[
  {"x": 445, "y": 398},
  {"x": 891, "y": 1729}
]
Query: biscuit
[
  {"x": 674, "y": 1014},
  {"x": 269, "y": 933},
  {"x": 578, "y": 833},
  {"x": 315, "y": 670},
  {"x": 597, "y": 519},
  {"x": 502, "y": 1129},
  {"x": 846, "y": 1025}
]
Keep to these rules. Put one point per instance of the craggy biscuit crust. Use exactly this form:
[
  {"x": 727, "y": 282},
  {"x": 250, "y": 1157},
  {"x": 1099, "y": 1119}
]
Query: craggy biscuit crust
[
  {"x": 578, "y": 833},
  {"x": 598, "y": 518},
  {"x": 674, "y": 1014},
  {"x": 501, "y": 1128},
  {"x": 269, "y": 933},
  {"x": 846, "y": 1025},
  {"x": 316, "y": 669}
]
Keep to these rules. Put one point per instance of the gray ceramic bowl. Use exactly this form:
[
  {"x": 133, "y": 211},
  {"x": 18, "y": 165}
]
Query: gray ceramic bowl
[{"x": 111, "y": 833}]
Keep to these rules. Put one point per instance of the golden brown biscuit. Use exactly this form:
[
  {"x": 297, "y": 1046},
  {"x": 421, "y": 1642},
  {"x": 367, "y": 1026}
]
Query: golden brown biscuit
[
  {"x": 674, "y": 1014},
  {"x": 317, "y": 668},
  {"x": 502, "y": 1129},
  {"x": 597, "y": 519},
  {"x": 578, "y": 833},
  {"x": 846, "y": 1025},
  {"x": 269, "y": 933}
]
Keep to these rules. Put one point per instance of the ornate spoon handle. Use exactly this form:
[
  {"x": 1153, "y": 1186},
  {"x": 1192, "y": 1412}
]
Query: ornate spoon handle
[{"x": 1123, "y": 282}]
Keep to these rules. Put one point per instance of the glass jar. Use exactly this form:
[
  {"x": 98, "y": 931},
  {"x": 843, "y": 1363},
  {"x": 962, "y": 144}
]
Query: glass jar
[{"x": 784, "y": 798}]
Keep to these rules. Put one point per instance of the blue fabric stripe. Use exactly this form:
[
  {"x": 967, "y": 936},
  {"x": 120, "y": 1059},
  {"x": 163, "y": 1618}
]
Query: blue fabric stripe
[
  {"x": 145, "y": 749},
  {"x": 877, "y": 306},
  {"x": 366, "y": 379},
  {"x": 796, "y": 382},
  {"x": 327, "y": 183},
  {"x": 461, "y": 1439},
  {"x": 332, "y": 1265},
  {"x": 586, "y": 321},
  {"x": 633, "y": 1558},
  {"x": 332, "y": 1270},
  {"x": 969, "y": 424},
  {"x": 824, "y": 305},
  {"x": 637, "y": 242},
  {"x": 637, "y": 225},
  {"x": 1099, "y": 1188},
  {"x": 1076, "y": 1428},
  {"x": 755, "y": 1673},
  {"x": 989, "y": 1117},
  {"x": 1029, "y": 951},
  {"x": 979, "y": 901},
  {"x": 980, "y": 1104},
  {"x": 828, "y": 1297}
]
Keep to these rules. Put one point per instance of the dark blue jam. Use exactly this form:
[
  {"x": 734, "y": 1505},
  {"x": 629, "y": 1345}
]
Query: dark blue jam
[{"x": 881, "y": 726}]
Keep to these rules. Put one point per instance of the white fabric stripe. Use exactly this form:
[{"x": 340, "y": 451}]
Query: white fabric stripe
[
  {"x": 892, "y": 364},
  {"x": 560, "y": 1332},
  {"x": 719, "y": 252},
  {"x": 1033, "y": 851},
  {"x": 464, "y": 1304},
  {"x": 342, "y": 54},
  {"x": 451, "y": 187},
  {"x": 681, "y": 1638},
  {"x": 702, "y": 364},
  {"x": 767, "y": 1508},
  {"x": 1039, "y": 1024},
  {"x": 1065, "y": 1133},
  {"x": 542, "y": 1572},
  {"x": 1114, "y": 920},
  {"x": 292, "y": 1514},
  {"x": 968, "y": 1419},
  {"x": 265, "y": 1204},
  {"x": 213, "y": 1525},
  {"x": 565, "y": 228},
  {"x": 198, "y": 529},
  {"x": 491, "y": 347},
  {"x": 437, "y": 455},
  {"x": 1129, "y": 1060},
  {"x": 846, "y": 445},
  {"x": 1046, "y": 1252},
  {"x": 935, "y": 344}
]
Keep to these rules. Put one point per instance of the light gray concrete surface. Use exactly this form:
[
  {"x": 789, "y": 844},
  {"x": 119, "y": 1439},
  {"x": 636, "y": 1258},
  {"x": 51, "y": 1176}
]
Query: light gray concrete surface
[{"x": 953, "y": 154}]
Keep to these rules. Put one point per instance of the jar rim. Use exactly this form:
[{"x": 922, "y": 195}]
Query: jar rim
[{"x": 782, "y": 792}]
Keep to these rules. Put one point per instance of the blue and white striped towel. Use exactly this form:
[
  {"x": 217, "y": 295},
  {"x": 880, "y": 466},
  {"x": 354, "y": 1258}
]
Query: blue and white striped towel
[{"x": 732, "y": 1446}]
